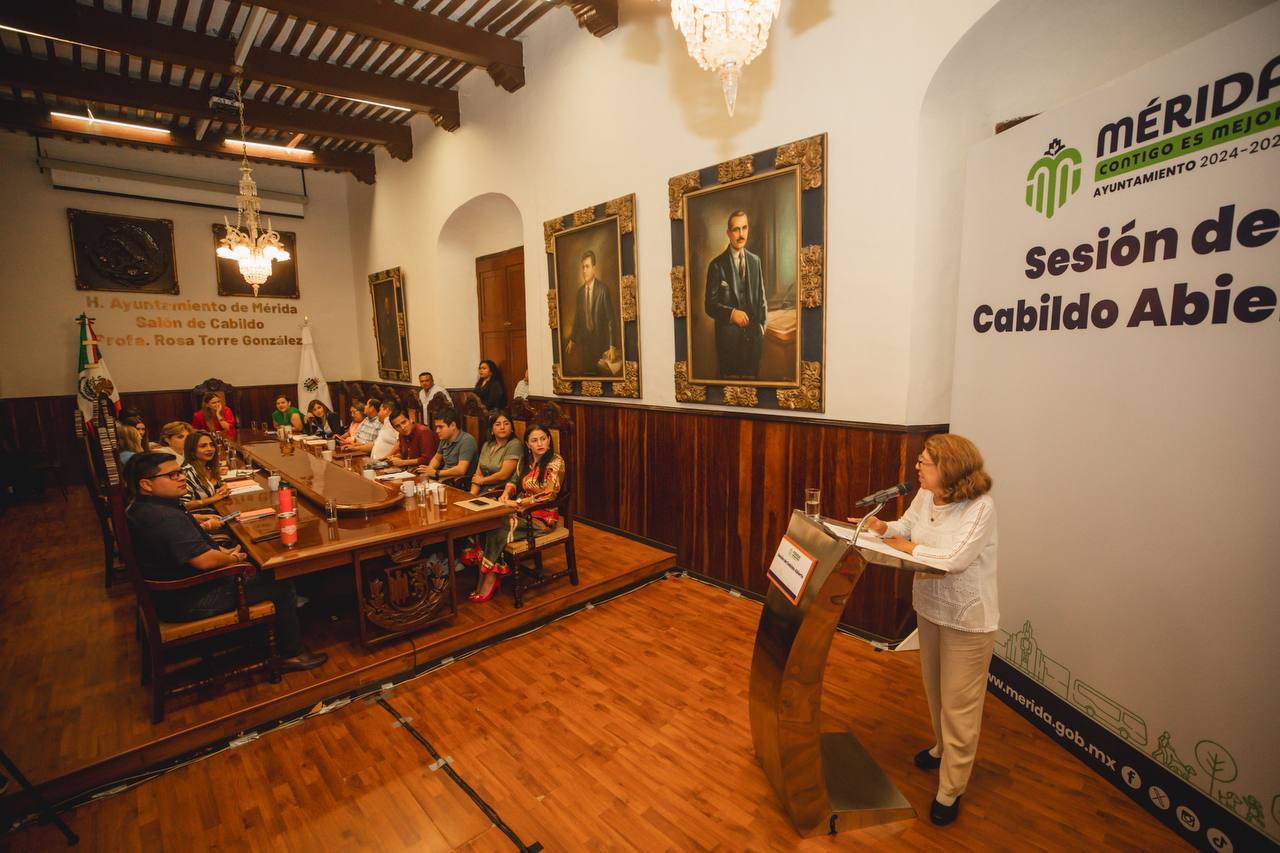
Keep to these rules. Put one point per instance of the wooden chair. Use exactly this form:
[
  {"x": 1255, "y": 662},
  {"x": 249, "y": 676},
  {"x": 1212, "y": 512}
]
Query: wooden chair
[
  {"x": 96, "y": 483},
  {"x": 530, "y": 546},
  {"x": 165, "y": 642}
]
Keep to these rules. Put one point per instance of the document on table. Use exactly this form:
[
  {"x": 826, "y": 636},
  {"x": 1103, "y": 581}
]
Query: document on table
[
  {"x": 245, "y": 488},
  {"x": 398, "y": 475}
]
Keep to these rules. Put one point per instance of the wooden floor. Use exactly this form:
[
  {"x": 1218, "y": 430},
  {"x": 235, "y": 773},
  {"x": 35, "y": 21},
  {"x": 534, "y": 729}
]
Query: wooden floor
[
  {"x": 623, "y": 727},
  {"x": 73, "y": 710}
]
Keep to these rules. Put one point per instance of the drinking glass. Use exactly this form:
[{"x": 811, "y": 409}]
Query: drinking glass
[
  {"x": 812, "y": 503},
  {"x": 331, "y": 510}
]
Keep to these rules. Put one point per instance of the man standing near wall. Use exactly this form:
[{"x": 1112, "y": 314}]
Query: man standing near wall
[
  {"x": 735, "y": 299},
  {"x": 430, "y": 391}
]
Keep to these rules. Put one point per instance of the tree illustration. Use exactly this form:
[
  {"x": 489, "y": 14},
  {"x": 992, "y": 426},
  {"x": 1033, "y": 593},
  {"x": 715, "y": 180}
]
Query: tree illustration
[{"x": 1214, "y": 759}]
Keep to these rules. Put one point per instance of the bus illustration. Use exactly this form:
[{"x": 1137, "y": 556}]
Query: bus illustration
[{"x": 1120, "y": 720}]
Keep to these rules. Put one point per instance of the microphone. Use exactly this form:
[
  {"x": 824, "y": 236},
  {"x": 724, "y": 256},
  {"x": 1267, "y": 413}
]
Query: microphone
[{"x": 885, "y": 495}]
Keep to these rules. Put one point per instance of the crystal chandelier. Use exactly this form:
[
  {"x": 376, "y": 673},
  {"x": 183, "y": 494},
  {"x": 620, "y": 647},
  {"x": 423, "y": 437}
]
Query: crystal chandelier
[
  {"x": 252, "y": 249},
  {"x": 724, "y": 35}
]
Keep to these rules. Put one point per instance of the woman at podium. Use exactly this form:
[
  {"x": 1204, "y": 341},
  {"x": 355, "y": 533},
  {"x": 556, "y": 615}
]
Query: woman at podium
[{"x": 951, "y": 525}]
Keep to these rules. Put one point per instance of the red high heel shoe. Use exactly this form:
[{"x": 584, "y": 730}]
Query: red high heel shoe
[{"x": 493, "y": 590}]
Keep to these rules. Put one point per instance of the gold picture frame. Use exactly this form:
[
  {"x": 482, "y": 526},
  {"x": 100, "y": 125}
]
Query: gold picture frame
[
  {"x": 748, "y": 279},
  {"x": 390, "y": 326},
  {"x": 595, "y": 326}
]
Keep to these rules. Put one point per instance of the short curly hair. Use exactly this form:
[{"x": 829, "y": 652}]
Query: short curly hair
[{"x": 960, "y": 467}]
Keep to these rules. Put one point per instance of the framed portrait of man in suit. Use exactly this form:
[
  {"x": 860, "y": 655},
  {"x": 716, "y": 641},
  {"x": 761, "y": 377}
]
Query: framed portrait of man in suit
[
  {"x": 592, "y": 300},
  {"x": 390, "y": 327},
  {"x": 748, "y": 243}
]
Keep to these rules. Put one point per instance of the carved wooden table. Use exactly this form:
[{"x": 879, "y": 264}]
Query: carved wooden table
[{"x": 401, "y": 585}]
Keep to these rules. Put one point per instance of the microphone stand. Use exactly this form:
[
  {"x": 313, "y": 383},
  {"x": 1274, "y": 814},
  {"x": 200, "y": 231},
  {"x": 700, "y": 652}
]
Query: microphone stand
[{"x": 863, "y": 522}]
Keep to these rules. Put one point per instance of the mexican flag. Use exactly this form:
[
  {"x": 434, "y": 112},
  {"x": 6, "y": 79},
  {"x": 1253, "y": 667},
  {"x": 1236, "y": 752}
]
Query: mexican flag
[
  {"x": 311, "y": 384},
  {"x": 94, "y": 376}
]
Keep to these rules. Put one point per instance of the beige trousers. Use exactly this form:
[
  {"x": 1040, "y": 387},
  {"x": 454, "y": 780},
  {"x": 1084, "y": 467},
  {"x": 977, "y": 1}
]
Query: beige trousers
[{"x": 954, "y": 667}]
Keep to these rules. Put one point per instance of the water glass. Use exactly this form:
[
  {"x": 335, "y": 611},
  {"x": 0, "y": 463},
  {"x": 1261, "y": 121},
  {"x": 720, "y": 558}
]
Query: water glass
[
  {"x": 812, "y": 503},
  {"x": 331, "y": 510}
]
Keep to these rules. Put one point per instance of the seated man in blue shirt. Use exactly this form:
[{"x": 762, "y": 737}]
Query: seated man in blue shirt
[
  {"x": 457, "y": 454},
  {"x": 169, "y": 545}
]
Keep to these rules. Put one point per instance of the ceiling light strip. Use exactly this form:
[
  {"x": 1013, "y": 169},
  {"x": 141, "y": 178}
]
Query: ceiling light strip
[{"x": 91, "y": 120}]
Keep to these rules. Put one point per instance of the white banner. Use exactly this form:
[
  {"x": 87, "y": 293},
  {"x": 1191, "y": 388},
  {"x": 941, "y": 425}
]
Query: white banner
[{"x": 1117, "y": 356}]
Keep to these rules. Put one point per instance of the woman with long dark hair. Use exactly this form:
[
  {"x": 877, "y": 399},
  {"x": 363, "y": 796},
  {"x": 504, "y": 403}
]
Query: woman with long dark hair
[
  {"x": 489, "y": 387},
  {"x": 200, "y": 467},
  {"x": 321, "y": 421},
  {"x": 538, "y": 481},
  {"x": 499, "y": 455}
]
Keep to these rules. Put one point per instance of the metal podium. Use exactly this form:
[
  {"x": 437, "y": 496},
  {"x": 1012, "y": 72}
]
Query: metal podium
[{"x": 826, "y": 781}]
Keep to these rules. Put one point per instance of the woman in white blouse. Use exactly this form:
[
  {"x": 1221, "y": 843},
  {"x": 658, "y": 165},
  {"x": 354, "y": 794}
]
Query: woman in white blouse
[{"x": 951, "y": 525}]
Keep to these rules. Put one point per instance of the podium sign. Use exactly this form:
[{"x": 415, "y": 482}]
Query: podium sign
[{"x": 825, "y": 781}]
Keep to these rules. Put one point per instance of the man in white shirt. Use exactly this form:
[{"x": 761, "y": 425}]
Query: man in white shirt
[{"x": 430, "y": 390}]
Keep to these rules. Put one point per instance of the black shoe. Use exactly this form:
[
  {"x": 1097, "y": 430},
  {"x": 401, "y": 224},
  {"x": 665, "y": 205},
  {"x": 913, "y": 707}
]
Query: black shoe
[
  {"x": 942, "y": 815},
  {"x": 303, "y": 661},
  {"x": 925, "y": 761}
]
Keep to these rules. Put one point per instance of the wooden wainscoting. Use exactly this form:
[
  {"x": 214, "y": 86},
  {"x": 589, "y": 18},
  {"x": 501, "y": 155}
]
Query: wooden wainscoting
[
  {"x": 44, "y": 424},
  {"x": 719, "y": 487}
]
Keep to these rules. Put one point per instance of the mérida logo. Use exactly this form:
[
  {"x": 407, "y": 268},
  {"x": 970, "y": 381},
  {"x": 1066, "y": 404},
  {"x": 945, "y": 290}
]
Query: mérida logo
[{"x": 1053, "y": 179}]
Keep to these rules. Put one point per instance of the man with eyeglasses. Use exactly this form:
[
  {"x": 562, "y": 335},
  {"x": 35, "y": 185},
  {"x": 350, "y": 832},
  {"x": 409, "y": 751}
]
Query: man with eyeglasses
[{"x": 170, "y": 545}]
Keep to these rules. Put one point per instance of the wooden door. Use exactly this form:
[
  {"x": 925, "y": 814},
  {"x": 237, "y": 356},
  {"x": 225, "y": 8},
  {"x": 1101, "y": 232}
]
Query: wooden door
[{"x": 500, "y": 292}]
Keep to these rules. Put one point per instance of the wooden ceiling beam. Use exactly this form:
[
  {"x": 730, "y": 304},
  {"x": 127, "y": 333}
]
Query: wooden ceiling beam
[
  {"x": 502, "y": 57},
  {"x": 598, "y": 17},
  {"x": 70, "y": 81},
  {"x": 125, "y": 34},
  {"x": 35, "y": 120}
]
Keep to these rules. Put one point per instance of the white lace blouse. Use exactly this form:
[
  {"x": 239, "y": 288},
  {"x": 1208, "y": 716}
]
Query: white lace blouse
[{"x": 961, "y": 538}]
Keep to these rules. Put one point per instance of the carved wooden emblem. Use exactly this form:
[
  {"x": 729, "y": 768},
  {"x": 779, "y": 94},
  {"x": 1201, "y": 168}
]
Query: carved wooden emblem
[{"x": 403, "y": 592}]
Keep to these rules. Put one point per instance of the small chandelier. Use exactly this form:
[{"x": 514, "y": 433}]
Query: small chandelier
[
  {"x": 252, "y": 249},
  {"x": 725, "y": 35}
]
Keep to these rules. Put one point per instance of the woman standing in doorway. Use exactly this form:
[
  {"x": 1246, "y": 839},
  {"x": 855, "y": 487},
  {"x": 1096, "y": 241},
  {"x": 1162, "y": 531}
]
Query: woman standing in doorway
[
  {"x": 489, "y": 387},
  {"x": 951, "y": 525}
]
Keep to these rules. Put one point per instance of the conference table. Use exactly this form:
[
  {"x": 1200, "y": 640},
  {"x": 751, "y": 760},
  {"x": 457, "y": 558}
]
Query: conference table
[{"x": 403, "y": 582}]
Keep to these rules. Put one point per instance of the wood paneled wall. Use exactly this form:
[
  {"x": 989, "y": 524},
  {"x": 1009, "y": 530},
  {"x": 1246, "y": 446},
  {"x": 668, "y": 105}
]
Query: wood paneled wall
[{"x": 719, "y": 487}]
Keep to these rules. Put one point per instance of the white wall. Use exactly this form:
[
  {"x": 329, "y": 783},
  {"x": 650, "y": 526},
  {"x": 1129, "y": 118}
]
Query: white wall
[
  {"x": 40, "y": 299},
  {"x": 600, "y": 118}
]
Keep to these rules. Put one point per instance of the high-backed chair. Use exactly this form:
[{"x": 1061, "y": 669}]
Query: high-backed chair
[
  {"x": 96, "y": 483},
  {"x": 229, "y": 393},
  {"x": 530, "y": 547},
  {"x": 166, "y": 642}
]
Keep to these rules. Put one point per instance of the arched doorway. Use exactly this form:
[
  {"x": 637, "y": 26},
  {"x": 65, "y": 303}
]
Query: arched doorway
[{"x": 480, "y": 243}]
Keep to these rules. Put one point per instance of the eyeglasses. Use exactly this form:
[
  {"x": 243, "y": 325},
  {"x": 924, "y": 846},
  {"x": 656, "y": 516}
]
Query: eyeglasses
[
  {"x": 172, "y": 475},
  {"x": 925, "y": 463}
]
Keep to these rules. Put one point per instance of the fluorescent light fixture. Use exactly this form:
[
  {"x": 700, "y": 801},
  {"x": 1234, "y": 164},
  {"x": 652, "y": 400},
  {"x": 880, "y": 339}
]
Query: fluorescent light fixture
[
  {"x": 90, "y": 120},
  {"x": 54, "y": 38},
  {"x": 236, "y": 143},
  {"x": 370, "y": 103}
]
